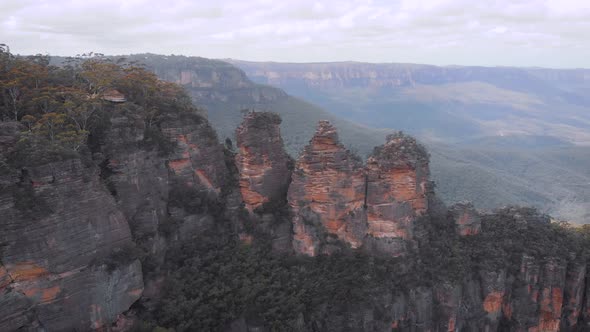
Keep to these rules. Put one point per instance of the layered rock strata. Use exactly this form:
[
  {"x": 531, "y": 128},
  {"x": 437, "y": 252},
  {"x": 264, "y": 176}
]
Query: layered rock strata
[
  {"x": 333, "y": 196},
  {"x": 262, "y": 162},
  {"x": 67, "y": 257},
  {"x": 397, "y": 192},
  {"x": 327, "y": 195}
]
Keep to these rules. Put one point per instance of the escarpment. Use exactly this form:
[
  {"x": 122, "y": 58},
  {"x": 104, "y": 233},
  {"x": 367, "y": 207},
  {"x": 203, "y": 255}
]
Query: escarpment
[
  {"x": 85, "y": 235},
  {"x": 67, "y": 252},
  {"x": 82, "y": 232}
]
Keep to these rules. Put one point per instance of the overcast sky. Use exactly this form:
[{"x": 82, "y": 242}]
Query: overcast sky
[{"x": 548, "y": 33}]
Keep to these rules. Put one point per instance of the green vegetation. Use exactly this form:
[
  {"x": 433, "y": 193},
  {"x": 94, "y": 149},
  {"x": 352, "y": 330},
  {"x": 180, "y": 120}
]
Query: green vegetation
[
  {"x": 214, "y": 280},
  {"x": 60, "y": 107}
]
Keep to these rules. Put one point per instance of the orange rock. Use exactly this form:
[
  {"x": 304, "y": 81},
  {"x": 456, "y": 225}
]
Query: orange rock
[
  {"x": 550, "y": 309},
  {"x": 331, "y": 192},
  {"x": 493, "y": 302},
  {"x": 467, "y": 219},
  {"x": 179, "y": 165},
  {"x": 42, "y": 295},
  {"x": 204, "y": 180},
  {"x": 326, "y": 194},
  {"x": 262, "y": 161},
  {"x": 507, "y": 310},
  {"x": 27, "y": 271},
  {"x": 451, "y": 325},
  {"x": 398, "y": 189},
  {"x": 135, "y": 292}
]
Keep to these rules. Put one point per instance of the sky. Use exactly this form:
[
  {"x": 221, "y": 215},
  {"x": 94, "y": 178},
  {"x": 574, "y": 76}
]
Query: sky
[{"x": 544, "y": 33}]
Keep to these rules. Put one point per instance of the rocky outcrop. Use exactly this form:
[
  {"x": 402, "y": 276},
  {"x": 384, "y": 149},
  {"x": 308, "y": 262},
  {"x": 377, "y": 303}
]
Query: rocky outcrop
[
  {"x": 137, "y": 177},
  {"x": 263, "y": 164},
  {"x": 326, "y": 195},
  {"x": 398, "y": 187},
  {"x": 573, "y": 295},
  {"x": 153, "y": 171},
  {"x": 493, "y": 286},
  {"x": 69, "y": 229},
  {"x": 467, "y": 219},
  {"x": 67, "y": 254},
  {"x": 197, "y": 160},
  {"x": 375, "y": 206},
  {"x": 69, "y": 258}
]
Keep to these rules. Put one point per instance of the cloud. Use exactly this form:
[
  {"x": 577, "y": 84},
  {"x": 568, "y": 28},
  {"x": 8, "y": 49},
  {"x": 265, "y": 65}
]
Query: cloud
[{"x": 503, "y": 32}]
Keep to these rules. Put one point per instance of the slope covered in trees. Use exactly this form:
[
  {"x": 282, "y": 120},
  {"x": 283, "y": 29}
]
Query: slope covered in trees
[{"x": 59, "y": 107}]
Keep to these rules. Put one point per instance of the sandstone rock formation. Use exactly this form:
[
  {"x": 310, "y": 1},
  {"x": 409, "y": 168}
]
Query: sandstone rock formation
[
  {"x": 466, "y": 218},
  {"x": 69, "y": 228},
  {"x": 69, "y": 258},
  {"x": 326, "y": 195},
  {"x": 262, "y": 162},
  {"x": 181, "y": 157},
  {"x": 376, "y": 205},
  {"x": 398, "y": 187},
  {"x": 67, "y": 252}
]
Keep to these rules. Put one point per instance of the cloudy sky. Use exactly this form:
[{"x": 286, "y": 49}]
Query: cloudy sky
[{"x": 548, "y": 33}]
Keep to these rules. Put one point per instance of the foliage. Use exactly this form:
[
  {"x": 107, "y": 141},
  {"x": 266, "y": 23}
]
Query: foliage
[
  {"x": 194, "y": 201},
  {"x": 214, "y": 282},
  {"x": 60, "y": 107}
]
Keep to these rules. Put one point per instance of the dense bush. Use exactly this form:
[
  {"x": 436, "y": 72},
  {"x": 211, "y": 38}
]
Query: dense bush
[
  {"x": 60, "y": 108},
  {"x": 214, "y": 281}
]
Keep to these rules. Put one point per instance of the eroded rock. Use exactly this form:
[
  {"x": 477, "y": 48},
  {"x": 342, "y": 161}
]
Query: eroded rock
[
  {"x": 326, "y": 195},
  {"x": 68, "y": 260},
  {"x": 263, "y": 164},
  {"x": 398, "y": 187},
  {"x": 466, "y": 218}
]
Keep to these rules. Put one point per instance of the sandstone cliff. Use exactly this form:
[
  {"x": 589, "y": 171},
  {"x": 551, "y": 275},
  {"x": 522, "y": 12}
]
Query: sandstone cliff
[
  {"x": 376, "y": 206},
  {"x": 398, "y": 187},
  {"x": 81, "y": 234},
  {"x": 79, "y": 237},
  {"x": 326, "y": 195},
  {"x": 262, "y": 162},
  {"x": 67, "y": 252}
]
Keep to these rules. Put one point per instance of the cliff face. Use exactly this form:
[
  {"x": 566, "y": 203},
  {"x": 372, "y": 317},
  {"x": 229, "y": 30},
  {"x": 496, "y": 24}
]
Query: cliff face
[
  {"x": 376, "y": 205},
  {"x": 79, "y": 237},
  {"x": 335, "y": 201},
  {"x": 209, "y": 81},
  {"x": 333, "y": 75},
  {"x": 73, "y": 231},
  {"x": 397, "y": 192},
  {"x": 262, "y": 162},
  {"x": 67, "y": 257},
  {"x": 142, "y": 167},
  {"x": 326, "y": 195}
]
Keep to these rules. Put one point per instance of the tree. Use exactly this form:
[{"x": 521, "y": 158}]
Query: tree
[
  {"x": 97, "y": 76},
  {"x": 80, "y": 109},
  {"x": 50, "y": 125}
]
